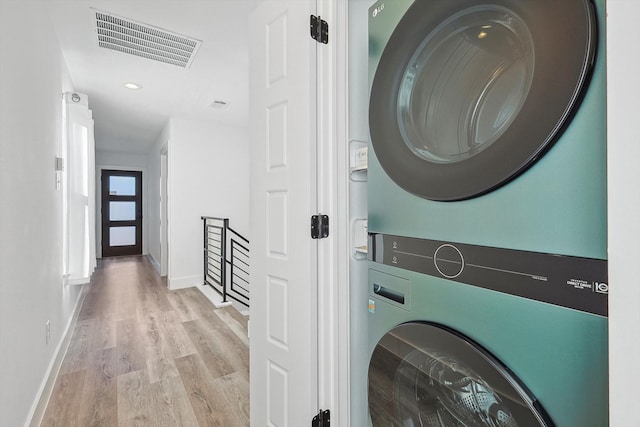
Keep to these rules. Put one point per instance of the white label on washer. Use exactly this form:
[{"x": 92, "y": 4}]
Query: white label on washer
[{"x": 580, "y": 284}]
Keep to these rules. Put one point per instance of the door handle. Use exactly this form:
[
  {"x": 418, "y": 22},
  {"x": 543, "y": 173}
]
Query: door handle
[{"x": 388, "y": 293}]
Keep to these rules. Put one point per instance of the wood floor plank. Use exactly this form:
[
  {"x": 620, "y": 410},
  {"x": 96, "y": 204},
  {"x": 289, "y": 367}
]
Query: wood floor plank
[
  {"x": 242, "y": 319},
  {"x": 126, "y": 305},
  {"x": 184, "y": 306},
  {"x": 223, "y": 343},
  {"x": 96, "y": 303},
  {"x": 130, "y": 352},
  {"x": 179, "y": 343},
  {"x": 152, "y": 296},
  {"x": 135, "y": 401},
  {"x": 153, "y": 300},
  {"x": 79, "y": 347},
  {"x": 98, "y": 403},
  {"x": 104, "y": 332},
  {"x": 235, "y": 321},
  {"x": 206, "y": 398},
  {"x": 197, "y": 299},
  {"x": 160, "y": 364},
  {"x": 63, "y": 406},
  {"x": 171, "y": 405},
  {"x": 214, "y": 356},
  {"x": 235, "y": 389}
]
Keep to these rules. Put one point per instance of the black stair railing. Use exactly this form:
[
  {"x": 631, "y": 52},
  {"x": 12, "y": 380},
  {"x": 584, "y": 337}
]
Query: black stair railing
[{"x": 226, "y": 260}]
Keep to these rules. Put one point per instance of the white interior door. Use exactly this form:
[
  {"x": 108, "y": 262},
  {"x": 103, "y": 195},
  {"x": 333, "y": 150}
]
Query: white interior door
[{"x": 283, "y": 328}]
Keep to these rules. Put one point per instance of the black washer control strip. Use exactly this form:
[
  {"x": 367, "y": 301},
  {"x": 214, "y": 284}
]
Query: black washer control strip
[{"x": 572, "y": 282}]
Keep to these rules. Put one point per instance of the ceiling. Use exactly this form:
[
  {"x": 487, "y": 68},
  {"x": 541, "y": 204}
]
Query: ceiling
[{"x": 131, "y": 120}]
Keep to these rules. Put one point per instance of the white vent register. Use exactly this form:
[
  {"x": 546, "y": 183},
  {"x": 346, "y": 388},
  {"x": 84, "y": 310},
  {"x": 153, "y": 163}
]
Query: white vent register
[{"x": 146, "y": 41}]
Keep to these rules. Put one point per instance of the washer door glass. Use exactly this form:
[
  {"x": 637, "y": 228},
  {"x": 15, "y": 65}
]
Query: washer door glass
[
  {"x": 423, "y": 374},
  {"x": 466, "y": 95}
]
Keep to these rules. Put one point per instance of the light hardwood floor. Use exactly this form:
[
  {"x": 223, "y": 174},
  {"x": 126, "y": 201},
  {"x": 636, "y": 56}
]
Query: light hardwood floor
[{"x": 141, "y": 355}]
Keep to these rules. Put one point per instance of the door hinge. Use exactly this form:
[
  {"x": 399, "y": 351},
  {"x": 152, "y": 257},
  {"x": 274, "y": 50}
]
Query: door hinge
[
  {"x": 323, "y": 419},
  {"x": 319, "y": 226},
  {"x": 319, "y": 29}
]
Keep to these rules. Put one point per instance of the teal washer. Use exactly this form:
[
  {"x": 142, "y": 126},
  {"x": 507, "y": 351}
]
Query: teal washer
[
  {"x": 559, "y": 354},
  {"x": 555, "y": 205}
]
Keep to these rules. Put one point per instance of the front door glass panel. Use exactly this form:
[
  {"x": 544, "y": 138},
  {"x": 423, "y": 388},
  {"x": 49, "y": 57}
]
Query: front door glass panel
[
  {"x": 122, "y": 236},
  {"x": 122, "y": 211},
  {"x": 122, "y": 185}
]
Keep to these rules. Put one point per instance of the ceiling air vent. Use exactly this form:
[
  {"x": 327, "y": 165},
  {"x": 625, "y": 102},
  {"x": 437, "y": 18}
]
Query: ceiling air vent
[{"x": 126, "y": 36}]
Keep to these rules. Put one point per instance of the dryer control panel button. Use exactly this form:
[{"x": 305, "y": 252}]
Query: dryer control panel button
[{"x": 448, "y": 261}]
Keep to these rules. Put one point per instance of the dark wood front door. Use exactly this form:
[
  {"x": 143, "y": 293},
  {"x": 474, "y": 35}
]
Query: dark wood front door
[{"x": 121, "y": 213}]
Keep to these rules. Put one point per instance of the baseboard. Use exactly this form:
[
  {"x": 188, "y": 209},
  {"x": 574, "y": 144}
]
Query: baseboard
[
  {"x": 216, "y": 300},
  {"x": 184, "y": 282},
  {"x": 46, "y": 388},
  {"x": 213, "y": 296},
  {"x": 154, "y": 263}
]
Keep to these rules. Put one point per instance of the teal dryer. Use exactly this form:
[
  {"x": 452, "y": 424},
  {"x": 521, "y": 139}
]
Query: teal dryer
[{"x": 487, "y": 213}]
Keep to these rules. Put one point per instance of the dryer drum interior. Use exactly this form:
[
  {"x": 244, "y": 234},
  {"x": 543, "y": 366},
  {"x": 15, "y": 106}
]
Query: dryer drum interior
[
  {"x": 423, "y": 374},
  {"x": 468, "y": 94}
]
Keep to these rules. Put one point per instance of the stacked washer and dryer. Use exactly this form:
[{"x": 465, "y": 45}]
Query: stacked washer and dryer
[{"x": 487, "y": 213}]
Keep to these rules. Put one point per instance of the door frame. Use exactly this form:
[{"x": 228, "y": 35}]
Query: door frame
[
  {"x": 98, "y": 211},
  {"x": 334, "y": 342},
  {"x": 164, "y": 211},
  {"x": 623, "y": 88}
]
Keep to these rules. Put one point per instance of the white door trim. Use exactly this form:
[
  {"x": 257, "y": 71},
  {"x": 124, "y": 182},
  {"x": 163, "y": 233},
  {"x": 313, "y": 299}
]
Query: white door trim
[
  {"x": 164, "y": 211},
  {"x": 333, "y": 200},
  {"x": 623, "y": 88}
]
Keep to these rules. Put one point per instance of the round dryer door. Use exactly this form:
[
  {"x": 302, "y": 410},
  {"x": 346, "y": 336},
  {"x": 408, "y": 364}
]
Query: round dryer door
[
  {"x": 422, "y": 374},
  {"x": 468, "y": 94}
]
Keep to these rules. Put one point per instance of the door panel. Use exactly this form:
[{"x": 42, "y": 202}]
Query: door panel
[
  {"x": 121, "y": 213},
  {"x": 283, "y": 327}
]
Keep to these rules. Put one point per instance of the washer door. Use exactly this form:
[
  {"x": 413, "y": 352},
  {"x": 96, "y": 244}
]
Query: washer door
[
  {"x": 423, "y": 374},
  {"x": 468, "y": 94}
]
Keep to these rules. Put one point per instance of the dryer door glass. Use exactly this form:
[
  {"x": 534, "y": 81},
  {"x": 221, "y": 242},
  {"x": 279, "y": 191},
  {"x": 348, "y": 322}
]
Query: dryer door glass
[
  {"x": 465, "y": 84},
  {"x": 466, "y": 95},
  {"x": 422, "y": 374}
]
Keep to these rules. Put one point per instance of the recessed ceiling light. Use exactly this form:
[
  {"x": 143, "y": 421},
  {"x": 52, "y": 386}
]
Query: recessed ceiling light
[{"x": 132, "y": 86}]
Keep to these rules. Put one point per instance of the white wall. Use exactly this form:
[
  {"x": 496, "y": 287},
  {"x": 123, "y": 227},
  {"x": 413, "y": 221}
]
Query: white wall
[
  {"x": 116, "y": 160},
  {"x": 208, "y": 176},
  {"x": 120, "y": 158},
  {"x": 623, "y": 144},
  {"x": 33, "y": 77}
]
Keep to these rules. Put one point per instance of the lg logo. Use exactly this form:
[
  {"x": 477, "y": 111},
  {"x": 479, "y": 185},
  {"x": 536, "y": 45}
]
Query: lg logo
[
  {"x": 377, "y": 10},
  {"x": 601, "y": 287}
]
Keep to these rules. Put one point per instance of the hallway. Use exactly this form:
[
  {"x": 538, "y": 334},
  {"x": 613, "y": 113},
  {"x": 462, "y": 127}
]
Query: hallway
[{"x": 141, "y": 355}]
